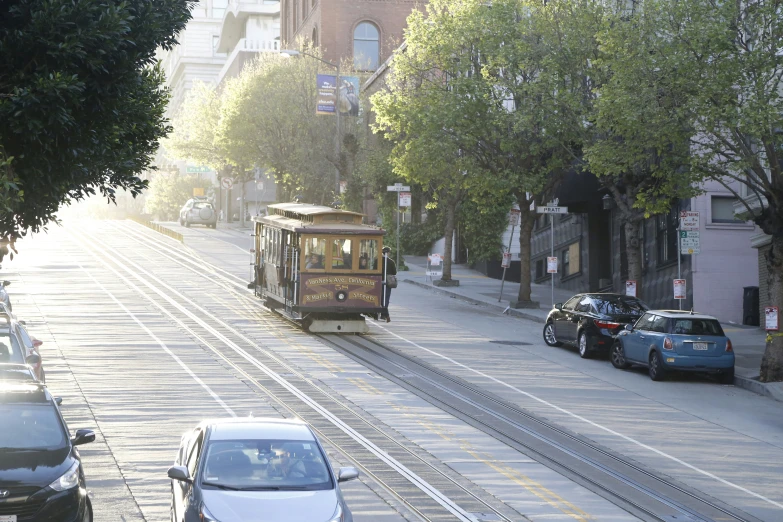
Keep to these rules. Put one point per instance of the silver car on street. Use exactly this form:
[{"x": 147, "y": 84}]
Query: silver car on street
[
  {"x": 198, "y": 211},
  {"x": 256, "y": 470}
]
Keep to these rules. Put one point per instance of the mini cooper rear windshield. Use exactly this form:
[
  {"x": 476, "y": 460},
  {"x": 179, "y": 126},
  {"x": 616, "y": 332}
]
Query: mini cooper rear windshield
[{"x": 697, "y": 327}]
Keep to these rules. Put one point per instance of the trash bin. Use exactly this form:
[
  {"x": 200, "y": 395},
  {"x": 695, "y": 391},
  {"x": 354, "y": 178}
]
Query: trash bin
[{"x": 750, "y": 305}]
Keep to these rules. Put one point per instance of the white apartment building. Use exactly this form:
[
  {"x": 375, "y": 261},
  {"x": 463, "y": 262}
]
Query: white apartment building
[{"x": 221, "y": 37}]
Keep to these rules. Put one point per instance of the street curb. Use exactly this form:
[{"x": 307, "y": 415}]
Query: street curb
[
  {"x": 454, "y": 295},
  {"x": 761, "y": 388}
]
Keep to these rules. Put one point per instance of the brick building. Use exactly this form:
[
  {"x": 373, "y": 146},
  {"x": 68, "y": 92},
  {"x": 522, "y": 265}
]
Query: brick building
[{"x": 364, "y": 31}]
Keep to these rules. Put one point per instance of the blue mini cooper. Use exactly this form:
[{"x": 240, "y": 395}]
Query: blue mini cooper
[{"x": 671, "y": 340}]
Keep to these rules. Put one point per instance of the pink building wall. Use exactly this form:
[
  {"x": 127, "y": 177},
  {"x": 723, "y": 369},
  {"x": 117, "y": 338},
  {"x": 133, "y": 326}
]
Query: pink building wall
[{"x": 727, "y": 262}]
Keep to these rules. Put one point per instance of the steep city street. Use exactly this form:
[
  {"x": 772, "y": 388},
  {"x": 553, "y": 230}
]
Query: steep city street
[{"x": 452, "y": 411}]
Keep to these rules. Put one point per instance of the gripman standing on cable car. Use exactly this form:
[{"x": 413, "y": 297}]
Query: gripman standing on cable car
[{"x": 389, "y": 281}]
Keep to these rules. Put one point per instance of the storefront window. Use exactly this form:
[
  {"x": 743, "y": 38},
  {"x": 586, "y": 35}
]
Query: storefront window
[
  {"x": 368, "y": 254},
  {"x": 315, "y": 253},
  {"x": 342, "y": 254}
]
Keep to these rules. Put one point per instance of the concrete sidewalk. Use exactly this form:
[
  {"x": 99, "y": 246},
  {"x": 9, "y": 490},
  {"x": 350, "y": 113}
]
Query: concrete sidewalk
[{"x": 476, "y": 288}]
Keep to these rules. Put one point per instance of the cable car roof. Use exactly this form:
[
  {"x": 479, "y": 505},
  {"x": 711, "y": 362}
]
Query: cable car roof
[
  {"x": 316, "y": 219},
  {"x": 308, "y": 210}
]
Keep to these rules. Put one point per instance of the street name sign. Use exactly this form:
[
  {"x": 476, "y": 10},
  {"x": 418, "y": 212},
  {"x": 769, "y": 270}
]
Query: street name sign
[
  {"x": 690, "y": 242},
  {"x": 689, "y": 220},
  {"x": 198, "y": 170},
  {"x": 552, "y": 210},
  {"x": 398, "y": 187}
]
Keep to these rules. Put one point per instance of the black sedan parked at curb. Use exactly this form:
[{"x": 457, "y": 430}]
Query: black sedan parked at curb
[
  {"x": 590, "y": 322},
  {"x": 41, "y": 475}
]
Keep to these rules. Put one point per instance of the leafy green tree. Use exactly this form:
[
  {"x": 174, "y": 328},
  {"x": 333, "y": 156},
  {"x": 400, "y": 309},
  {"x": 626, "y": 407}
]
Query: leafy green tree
[
  {"x": 169, "y": 192},
  {"x": 269, "y": 118},
  {"x": 81, "y": 101},
  {"x": 636, "y": 136},
  {"x": 719, "y": 65}
]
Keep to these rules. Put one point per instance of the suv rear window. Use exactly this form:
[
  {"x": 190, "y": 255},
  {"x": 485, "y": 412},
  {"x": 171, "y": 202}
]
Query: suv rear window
[
  {"x": 202, "y": 205},
  {"x": 697, "y": 327}
]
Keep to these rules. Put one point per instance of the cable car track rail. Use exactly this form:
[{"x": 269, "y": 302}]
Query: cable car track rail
[
  {"x": 418, "y": 492},
  {"x": 681, "y": 507},
  {"x": 433, "y": 384}
]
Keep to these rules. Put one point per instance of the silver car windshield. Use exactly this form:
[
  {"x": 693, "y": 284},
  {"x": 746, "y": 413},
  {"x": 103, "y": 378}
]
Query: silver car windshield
[{"x": 265, "y": 465}]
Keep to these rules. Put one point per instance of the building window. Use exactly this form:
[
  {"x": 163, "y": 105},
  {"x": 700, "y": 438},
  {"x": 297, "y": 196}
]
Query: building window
[
  {"x": 542, "y": 221},
  {"x": 723, "y": 209},
  {"x": 305, "y": 11},
  {"x": 571, "y": 260},
  {"x": 219, "y": 8},
  {"x": 366, "y": 47},
  {"x": 666, "y": 237},
  {"x": 540, "y": 269},
  {"x": 315, "y": 37}
]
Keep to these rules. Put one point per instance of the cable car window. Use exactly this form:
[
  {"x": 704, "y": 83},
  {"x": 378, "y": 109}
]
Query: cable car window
[
  {"x": 342, "y": 254},
  {"x": 368, "y": 254},
  {"x": 315, "y": 253}
]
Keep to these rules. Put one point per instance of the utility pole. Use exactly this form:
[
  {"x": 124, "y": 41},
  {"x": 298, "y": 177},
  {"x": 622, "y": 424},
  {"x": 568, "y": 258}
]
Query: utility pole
[{"x": 339, "y": 130}]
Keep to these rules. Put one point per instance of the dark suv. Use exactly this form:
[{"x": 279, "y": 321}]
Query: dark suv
[{"x": 41, "y": 475}]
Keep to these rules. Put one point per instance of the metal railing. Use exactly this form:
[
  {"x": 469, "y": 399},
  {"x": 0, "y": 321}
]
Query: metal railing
[{"x": 159, "y": 228}]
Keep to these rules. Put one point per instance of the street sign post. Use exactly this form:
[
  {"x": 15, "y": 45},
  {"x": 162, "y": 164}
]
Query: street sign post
[
  {"x": 771, "y": 318},
  {"x": 552, "y": 208},
  {"x": 679, "y": 289},
  {"x": 198, "y": 170},
  {"x": 398, "y": 187},
  {"x": 404, "y": 199},
  {"x": 227, "y": 183},
  {"x": 688, "y": 241},
  {"x": 551, "y": 265},
  {"x": 506, "y": 260},
  {"x": 513, "y": 217},
  {"x": 689, "y": 220}
]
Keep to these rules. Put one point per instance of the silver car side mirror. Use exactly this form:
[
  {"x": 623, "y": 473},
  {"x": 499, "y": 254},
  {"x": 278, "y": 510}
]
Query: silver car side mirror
[
  {"x": 346, "y": 474},
  {"x": 180, "y": 473}
]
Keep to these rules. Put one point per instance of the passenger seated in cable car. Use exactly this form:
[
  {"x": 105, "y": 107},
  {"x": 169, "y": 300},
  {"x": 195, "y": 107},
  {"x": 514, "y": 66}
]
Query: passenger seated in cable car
[
  {"x": 364, "y": 263},
  {"x": 314, "y": 262}
]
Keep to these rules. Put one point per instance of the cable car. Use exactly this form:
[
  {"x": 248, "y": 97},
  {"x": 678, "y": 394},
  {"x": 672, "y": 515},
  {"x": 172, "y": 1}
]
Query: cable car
[{"x": 318, "y": 266}]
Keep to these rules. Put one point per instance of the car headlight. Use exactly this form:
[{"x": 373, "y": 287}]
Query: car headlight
[
  {"x": 70, "y": 479},
  {"x": 205, "y": 516},
  {"x": 338, "y": 516}
]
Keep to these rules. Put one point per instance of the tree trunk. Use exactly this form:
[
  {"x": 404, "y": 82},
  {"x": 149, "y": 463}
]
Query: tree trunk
[
  {"x": 527, "y": 219},
  {"x": 633, "y": 251},
  {"x": 451, "y": 212},
  {"x": 772, "y": 362}
]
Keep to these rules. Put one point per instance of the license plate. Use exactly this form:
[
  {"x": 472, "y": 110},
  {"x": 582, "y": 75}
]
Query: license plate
[
  {"x": 699, "y": 346},
  {"x": 7, "y": 518}
]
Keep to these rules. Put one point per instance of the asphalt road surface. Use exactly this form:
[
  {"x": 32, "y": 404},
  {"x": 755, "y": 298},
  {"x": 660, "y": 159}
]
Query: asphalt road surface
[{"x": 144, "y": 337}]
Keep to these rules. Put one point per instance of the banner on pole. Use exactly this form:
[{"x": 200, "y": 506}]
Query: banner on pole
[
  {"x": 679, "y": 288},
  {"x": 630, "y": 288},
  {"x": 325, "y": 93}
]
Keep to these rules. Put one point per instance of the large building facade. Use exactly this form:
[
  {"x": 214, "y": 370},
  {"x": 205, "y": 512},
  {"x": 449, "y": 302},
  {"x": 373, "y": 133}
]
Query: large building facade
[
  {"x": 221, "y": 37},
  {"x": 365, "y": 32},
  {"x": 589, "y": 243}
]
